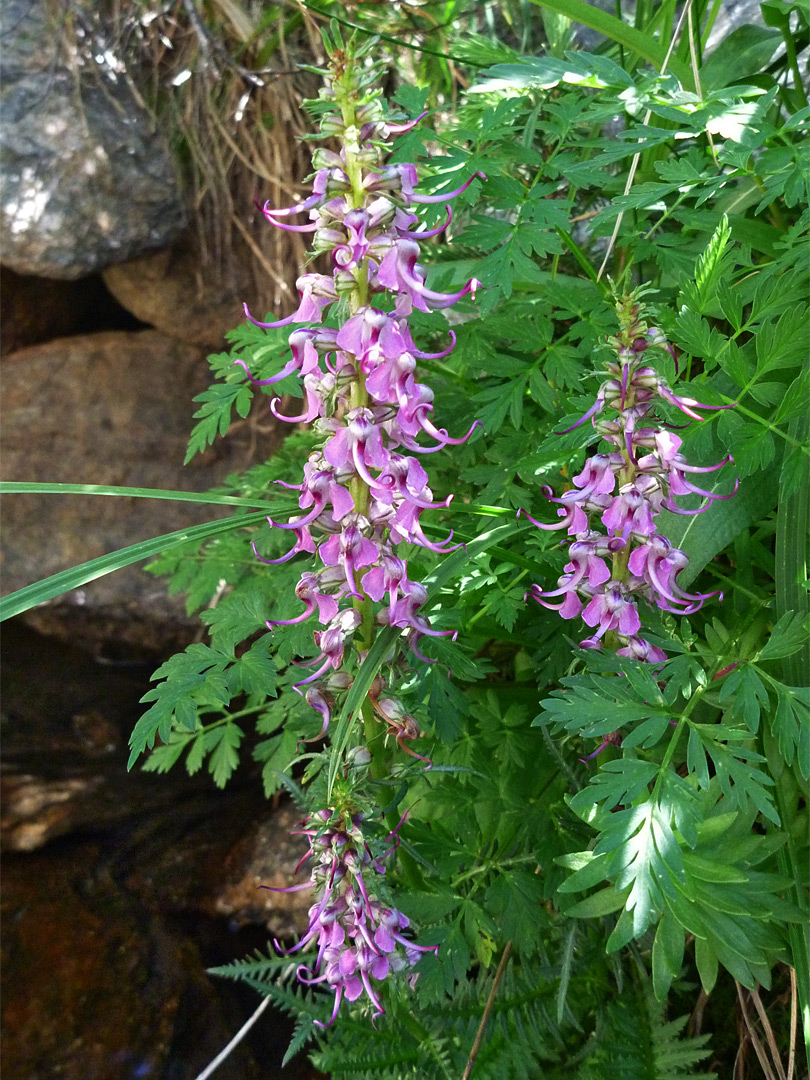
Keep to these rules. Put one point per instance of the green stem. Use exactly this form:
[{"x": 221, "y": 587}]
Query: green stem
[
  {"x": 766, "y": 423},
  {"x": 495, "y": 864},
  {"x": 699, "y": 694},
  {"x": 798, "y": 86},
  {"x": 583, "y": 261},
  {"x": 732, "y": 584}
]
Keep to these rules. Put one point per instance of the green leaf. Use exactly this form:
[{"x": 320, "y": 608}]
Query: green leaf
[
  {"x": 636, "y": 41},
  {"x": 255, "y": 670},
  {"x": 162, "y": 758},
  {"x": 667, "y": 954},
  {"x": 788, "y": 636},
  {"x": 707, "y": 964},
  {"x": 224, "y": 745},
  {"x": 599, "y": 904},
  {"x": 713, "y": 265},
  {"x": 644, "y": 853},
  {"x": 189, "y": 677},
  {"x": 591, "y": 871},
  {"x": 239, "y": 614},
  {"x": 731, "y": 304},
  {"x": 744, "y": 52},
  {"x": 214, "y": 415},
  {"x": 595, "y": 706},
  {"x": 429, "y": 907},
  {"x": 793, "y": 551},
  {"x": 791, "y": 725},
  {"x": 694, "y": 334},
  {"x": 618, "y": 782},
  {"x": 746, "y": 693}
]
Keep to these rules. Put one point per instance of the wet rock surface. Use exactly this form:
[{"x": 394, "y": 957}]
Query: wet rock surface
[
  {"x": 87, "y": 176},
  {"x": 137, "y": 884}
]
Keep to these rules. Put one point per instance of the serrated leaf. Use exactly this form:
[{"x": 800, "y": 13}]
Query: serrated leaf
[
  {"x": 667, "y": 954},
  {"x": 618, "y": 782},
  {"x": 256, "y": 671},
  {"x": 196, "y": 754},
  {"x": 591, "y": 873},
  {"x": 505, "y": 608},
  {"x": 731, "y": 304},
  {"x": 224, "y": 745},
  {"x": 162, "y": 758},
  {"x": 599, "y": 904},
  {"x": 713, "y": 264},
  {"x": 595, "y": 707},
  {"x": 787, "y": 637},
  {"x": 791, "y": 725},
  {"x": 644, "y": 852}
]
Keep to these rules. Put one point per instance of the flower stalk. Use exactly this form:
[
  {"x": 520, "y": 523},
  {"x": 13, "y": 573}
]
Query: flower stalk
[
  {"x": 617, "y": 556},
  {"x": 359, "y": 938},
  {"x": 364, "y": 489}
]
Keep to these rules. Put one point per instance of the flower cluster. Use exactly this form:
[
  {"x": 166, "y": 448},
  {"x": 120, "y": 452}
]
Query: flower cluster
[
  {"x": 362, "y": 493},
  {"x": 358, "y": 937},
  {"x": 625, "y": 488}
]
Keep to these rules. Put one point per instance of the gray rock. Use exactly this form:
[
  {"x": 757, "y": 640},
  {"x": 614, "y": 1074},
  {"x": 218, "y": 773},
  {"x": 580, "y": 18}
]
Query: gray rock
[{"x": 87, "y": 179}]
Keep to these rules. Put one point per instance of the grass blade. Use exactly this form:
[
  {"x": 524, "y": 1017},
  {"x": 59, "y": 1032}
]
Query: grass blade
[
  {"x": 63, "y": 582},
  {"x": 13, "y": 487}
]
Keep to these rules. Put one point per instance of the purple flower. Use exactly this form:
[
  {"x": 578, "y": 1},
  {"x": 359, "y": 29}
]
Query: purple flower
[
  {"x": 361, "y": 494},
  {"x": 359, "y": 938},
  {"x": 646, "y": 463}
]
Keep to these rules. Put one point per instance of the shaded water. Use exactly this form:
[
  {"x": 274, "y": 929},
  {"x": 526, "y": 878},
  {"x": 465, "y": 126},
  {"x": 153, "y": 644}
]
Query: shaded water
[{"x": 107, "y": 929}]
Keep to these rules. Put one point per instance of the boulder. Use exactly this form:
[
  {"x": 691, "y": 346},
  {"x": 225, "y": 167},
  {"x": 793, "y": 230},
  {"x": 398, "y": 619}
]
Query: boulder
[
  {"x": 99, "y": 985},
  {"x": 170, "y": 291},
  {"x": 109, "y": 408},
  {"x": 88, "y": 179}
]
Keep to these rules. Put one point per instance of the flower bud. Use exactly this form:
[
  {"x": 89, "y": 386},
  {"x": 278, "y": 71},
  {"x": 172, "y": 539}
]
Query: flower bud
[{"x": 359, "y": 756}]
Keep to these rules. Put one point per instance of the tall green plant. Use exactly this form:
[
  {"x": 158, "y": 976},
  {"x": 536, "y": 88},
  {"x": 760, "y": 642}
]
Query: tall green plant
[{"x": 584, "y": 832}]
